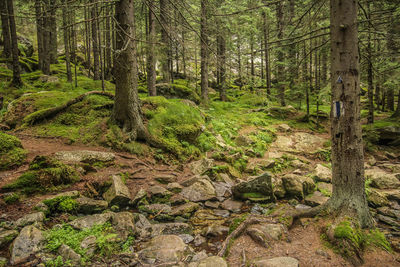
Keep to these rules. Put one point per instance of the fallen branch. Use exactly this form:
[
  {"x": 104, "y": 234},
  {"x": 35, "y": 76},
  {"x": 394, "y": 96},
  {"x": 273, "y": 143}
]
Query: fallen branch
[
  {"x": 43, "y": 114},
  {"x": 253, "y": 219}
]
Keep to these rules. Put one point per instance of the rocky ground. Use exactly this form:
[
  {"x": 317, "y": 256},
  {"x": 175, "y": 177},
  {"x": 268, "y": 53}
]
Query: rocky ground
[{"x": 130, "y": 211}]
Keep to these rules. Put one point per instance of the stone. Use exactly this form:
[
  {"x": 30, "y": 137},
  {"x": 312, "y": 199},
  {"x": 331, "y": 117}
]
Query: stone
[
  {"x": 297, "y": 164},
  {"x": 277, "y": 262},
  {"x": 376, "y": 198},
  {"x": 215, "y": 230},
  {"x": 284, "y": 213},
  {"x": 279, "y": 189},
  {"x": 69, "y": 254},
  {"x": 174, "y": 187},
  {"x": 33, "y": 218},
  {"x": 205, "y": 217},
  {"x": 157, "y": 191},
  {"x": 243, "y": 140},
  {"x": 389, "y": 135},
  {"x": 186, "y": 238},
  {"x": 178, "y": 200},
  {"x": 91, "y": 220},
  {"x": 298, "y": 186},
  {"x": 170, "y": 229},
  {"x": 199, "y": 256},
  {"x": 232, "y": 205},
  {"x": 222, "y": 190},
  {"x": 322, "y": 173},
  {"x": 187, "y": 208},
  {"x": 222, "y": 213},
  {"x": 84, "y": 156},
  {"x": 201, "y": 166},
  {"x": 165, "y": 178},
  {"x": 302, "y": 207},
  {"x": 48, "y": 79},
  {"x": 90, "y": 206},
  {"x": 255, "y": 188},
  {"x": 389, "y": 212},
  {"x": 71, "y": 194},
  {"x": 124, "y": 224},
  {"x": 139, "y": 196},
  {"x": 316, "y": 199},
  {"x": 199, "y": 240},
  {"x": 164, "y": 249},
  {"x": 283, "y": 127},
  {"x": 265, "y": 233},
  {"x": 309, "y": 143},
  {"x": 156, "y": 208},
  {"x": 201, "y": 190},
  {"x": 325, "y": 188},
  {"x": 118, "y": 194},
  {"x": 212, "y": 204},
  {"x": 29, "y": 241},
  {"x": 391, "y": 194},
  {"x": 25, "y": 45},
  {"x": 89, "y": 243},
  {"x": 388, "y": 220},
  {"x": 382, "y": 180},
  {"x": 7, "y": 236},
  {"x": 213, "y": 261}
]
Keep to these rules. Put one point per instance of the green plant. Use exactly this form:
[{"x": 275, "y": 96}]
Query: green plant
[
  {"x": 61, "y": 204},
  {"x": 11, "y": 199},
  {"x": 58, "y": 262}
]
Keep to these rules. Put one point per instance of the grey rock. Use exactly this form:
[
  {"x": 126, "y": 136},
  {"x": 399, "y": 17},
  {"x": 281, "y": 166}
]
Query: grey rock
[
  {"x": 243, "y": 140},
  {"x": 139, "y": 196},
  {"x": 85, "y": 156},
  {"x": 213, "y": 261},
  {"x": 118, "y": 194},
  {"x": 381, "y": 179},
  {"x": 283, "y": 127},
  {"x": 277, "y": 262},
  {"x": 222, "y": 189},
  {"x": 302, "y": 207},
  {"x": 165, "y": 178},
  {"x": 158, "y": 191},
  {"x": 71, "y": 194},
  {"x": 376, "y": 198},
  {"x": 7, "y": 236},
  {"x": 232, "y": 205},
  {"x": 89, "y": 243},
  {"x": 124, "y": 224},
  {"x": 33, "y": 218},
  {"x": 48, "y": 79},
  {"x": 201, "y": 190},
  {"x": 279, "y": 189},
  {"x": 174, "y": 187},
  {"x": 170, "y": 229},
  {"x": 186, "y": 238},
  {"x": 265, "y": 233},
  {"x": 222, "y": 213},
  {"x": 91, "y": 220},
  {"x": 316, "y": 199},
  {"x": 187, "y": 208},
  {"x": 199, "y": 240},
  {"x": 156, "y": 209},
  {"x": 212, "y": 204},
  {"x": 201, "y": 166},
  {"x": 298, "y": 186},
  {"x": 388, "y": 220},
  {"x": 69, "y": 254},
  {"x": 215, "y": 230},
  {"x": 90, "y": 206},
  {"x": 261, "y": 186},
  {"x": 29, "y": 241},
  {"x": 389, "y": 212},
  {"x": 200, "y": 256},
  {"x": 322, "y": 174}
]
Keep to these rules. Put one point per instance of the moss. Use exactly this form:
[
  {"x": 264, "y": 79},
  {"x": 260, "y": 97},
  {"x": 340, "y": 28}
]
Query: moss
[
  {"x": 61, "y": 204},
  {"x": 344, "y": 230},
  {"x": 11, "y": 152},
  {"x": 12, "y": 198},
  {"x": 236, "y": 222}
]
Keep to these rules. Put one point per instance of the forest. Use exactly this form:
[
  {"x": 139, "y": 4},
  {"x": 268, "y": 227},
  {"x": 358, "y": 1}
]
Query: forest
[{"x": 200, "y": 133}]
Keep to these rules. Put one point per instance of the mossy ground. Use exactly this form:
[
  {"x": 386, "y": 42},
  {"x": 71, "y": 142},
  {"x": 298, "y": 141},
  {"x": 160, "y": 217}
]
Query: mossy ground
[{"x": 11, "y": 152}]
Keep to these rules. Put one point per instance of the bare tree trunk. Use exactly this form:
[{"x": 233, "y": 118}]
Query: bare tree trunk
[
  {"x": 281, "y": 56},
  {"x": 95, "y": 44},
  {"x": 221, "y": 43},
  {"x": 204, "y": 50},
  {"x": 370, "y": 77},
  {"x": 166, "y": 53},
  {"x": 53, "y": 31},
  {"x": 348, "y": 196},
  {"x": 252, "y": 71},
  {"x": 16, "y": 81},
  {"x": 66, "y": 40},
  {"x": 151, "y": 58},
  {"x": 46, "y": 37},
  {"x": 88, "y": 42},
  {"x": 239, "y": 61},
  {"x": 127, "y": 111},
  {"x": 108, "y": 58},
  {"x": 266, "y": 53},
  {"x": 5, "y": 27}
]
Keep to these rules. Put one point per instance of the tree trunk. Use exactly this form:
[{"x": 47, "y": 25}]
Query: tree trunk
[
  {"x": 221, "y": 43},
  {"x": 88, "y": 41},
  {"x": 53, "y": 31},
  {"x": 66, "y": 40},
  {"x": 348, "y": 196},
  {"x": 46, "y": 37},
  {"x": 127, "y": 111},
  {"x": 151, "y": 58},
  {"x": 166, "y": 53},
  {"x": 95, "y": 44},
  {"x": 252, "y": 70},
  {"x": 239, "y": 62},
  {"x": 370, "y": 77},
  {"x": 16, "y": 81},
  {"x": 108, "y": 59},
  {"x": 280, "y": 56},
  {"x": 204, "y": 50},
  {"x": 5, "y": 26},
  {"x": 266, "y": 54}
]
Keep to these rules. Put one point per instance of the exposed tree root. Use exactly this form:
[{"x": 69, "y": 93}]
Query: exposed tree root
[
  {"x": 252, "y": 219},
  {"x": 41, "y": 115}
]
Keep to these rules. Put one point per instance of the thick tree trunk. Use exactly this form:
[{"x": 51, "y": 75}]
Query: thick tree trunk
[
  {"x": 280, "y": 56},
  {"x": 66, "y": 40},
  {"x": 370, "y": 77},
  {"x": 348, "y": 196},
  {"x": 151, "y": 57},
  {"x": 166, "y": 53},
  {"x": 53, "y": 31},
  {"x": 5, "y": 27},
  {"x": 127, "y": 111},
  {"x": 95, "y": 44},
  {"x": 266, "y": 53},
  {"x": 204, "y": 50},
  {"x": 46, "y": 37},
  {"x": 16, "y": 81}
]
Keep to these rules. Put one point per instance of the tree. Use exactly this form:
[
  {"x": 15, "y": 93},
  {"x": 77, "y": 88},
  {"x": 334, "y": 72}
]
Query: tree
[
  {"x": 16, "y": 81},
  {"x": 151, "y": 59},
  {"x": 204, "y": 50},
  {"x": 95, "y": 42},
  {"x": 127, "y": 111},
  {"x": 66, "y": 40},
  {"x": 348, "y": 196},
  {"x": 5, "y": 27},
  {"x": 281, "y": 55},
  {"x": 165, "y": 40}
]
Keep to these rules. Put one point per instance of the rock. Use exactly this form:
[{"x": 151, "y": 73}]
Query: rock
[
  {"x": 306, "y": 142},
  {"x": 302, "y": 207},
  {"x": 205, "y": 217},
  {"x": 243, "y": 140},
  {"x": 388, "y": 220},
  {"x": 170, "y": 229},
  {"x": 141, "y": 221},
  {"x": 376, "y": 198},
  {"x": 284, "y": 213},
  {"x": 215, "y": 230},
  {"x": 164, "y": 249},
  {"x": 325, "y": 188},
  {"x": 3, "y": 262},
  {"x": 139, "y": 196},
  {"x": 283, "y": 127},
  {"x": 178, "y": 200},
  {"x": 89, "y": 243},
  {"x": 255, "y": 188},
  {"x": 118, "y": 194},
  {"x": 323, "y": 253},
  {"x": 298, "y": 186},
  {"x": 69, "y": 254},
  {"x": 201, "y": 190},
  {"x": 7, "y": 236},
  {"x": 222, "y": 213},
  {"x": 277, "y": 262},
  {"x": 201, "y": 166},
  {"x": 232, "y": 205},
  {"x": 28, "y": 242},
  {"x": 297, "y": 164},
  {"x": 389, "y": 212},
  {"x": 71, "y": 194},
  {"x": 156, "y": 209},
  {"x": 25, "y": 45},
  {"x": 279, "y": 189},
  {"x": 381, "y": 179},
  {"x": 48, "y": 79},
  {"x": 322, "y": 174},
  {"x": 391, "y": 194},
  {"x": 316, "y": 199},
  {"x": 85, "y": 156},
  {"x": 212, "y": 204},
  {"x": 261, "y": 210},
  {"x": 389, "y": 135},
  {"x": 265, "y": 233},
  {"x": 124, "y": 224},
  {"x": 33, "y": 218},
  {"x": 200, "y": 256},
  {"x": 187, "y": 208},
  {"x": 165, "y": 178},
  {"x": 186, "y": 238},
  {"x": 90, "y": 206},
  {"x": 91, "y": 220},
  {"x": 174, "y": 187},
  {"x": 213, "y": 261},
  {"x": 199, "y": 240},
  {"x": 157, "y": 191},
  {"x": 223, "y": 190}
]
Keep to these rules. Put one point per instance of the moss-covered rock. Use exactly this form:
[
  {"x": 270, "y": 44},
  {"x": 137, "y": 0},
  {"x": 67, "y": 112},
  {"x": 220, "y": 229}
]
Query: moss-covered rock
[
  {"x": 11, "y": 152},
  {"x": 179, "y": 89}
]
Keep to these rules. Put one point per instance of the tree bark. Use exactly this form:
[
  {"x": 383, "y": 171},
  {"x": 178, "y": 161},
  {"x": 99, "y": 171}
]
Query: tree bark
[
  {"x": 266, "y": 54},
  {"x": 151, "y": 58},
  {"x": 348, "y": 196},
  {"x": 221, "y": 43},
  {"x": 108, "y": 58},
  {"x": 166, "y": 53},
  {"x": 95, "y": 44},
  {"x": 281, "y": 55},
  {"x": 16, "y": 81},
  {"x": 127, "y": 111},
  {"x": 46, "y": 37},
  {"x": 204, "y": 50},
  {"x": 66, "y": 40},
  {"x": 5, "y": 27},
  {"x": 370, "y": 73},
  {"x": 53, "y": 31}
]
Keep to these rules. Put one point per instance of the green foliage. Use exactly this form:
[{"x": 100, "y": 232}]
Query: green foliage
[
  {"x": 128, "y": 244},
  {"x": 11, "y": 152},
  {"x": 12, "y": 198},
  {"x": 282, "y": 163},
  {"x": 236, "y": 222},
  {"x": 58, "y": 262},
  {"x": 61, "y": 204}
]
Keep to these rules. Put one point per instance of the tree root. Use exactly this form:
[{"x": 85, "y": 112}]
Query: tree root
[
  {"x": 253, "y": 219},
  {"x": 43, "y": 114}
]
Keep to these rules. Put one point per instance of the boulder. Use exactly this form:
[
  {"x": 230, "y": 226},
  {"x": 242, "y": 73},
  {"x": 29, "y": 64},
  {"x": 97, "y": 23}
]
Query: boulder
[
  {"x": 85, "y": 156},
  {"x": 322, "y": 174},
  {"x": 156, "y": 208},
  {"x": 201, "y": 166},
  {"x": 232, "y": 205},
  {"x": 124, "y": 224},
  {"x": 157, "y": 191},
  {"x": 200, "y": 190},
  {"x": 386, "y": 211},
  {"x": 139, "y": 196},
  {"x": 316, "y": 199},
  {"x": 68, "y": 254},
  {"x": 33, "y": 218},
  {"x": 265, "y": 233},
  {"x": 277, "y": 262},
  {"x": 7, "y": 236},
  {"x": 222, "y": 189},
  {"x": 306, "y": 142},
  {"x": 389, "y": 135},
  {"x": 164, "y": 249},
  {"x": 215, "y": 230},
  {"x": 382, "y": 180},
  {"x": 325, "y": 188},
  {"x": 118, "y": 194},
  {"x": 48, "y": 79},
  {"x": 89, "y": 243},
  {"x": 25, "y": 45},
  {"x": 29, "y": 241},
  {"x": 91, "y": 220},
  {"x": 298, "y": 186},
  {"x": 90, "y": 206},
  {"x": 243, "y": 140},
  {"x": 279, "y": 189},
  {"x": 258, "y": 188},
  {"x": 283, "y": 127}
]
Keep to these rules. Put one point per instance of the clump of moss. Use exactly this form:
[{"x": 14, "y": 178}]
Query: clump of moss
[
  {"x": 44, "y": 174},
  {"x": 61, "y": 204},
  {"x": 12, "y": 198},
  {"x": 11, "y": 152}
]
